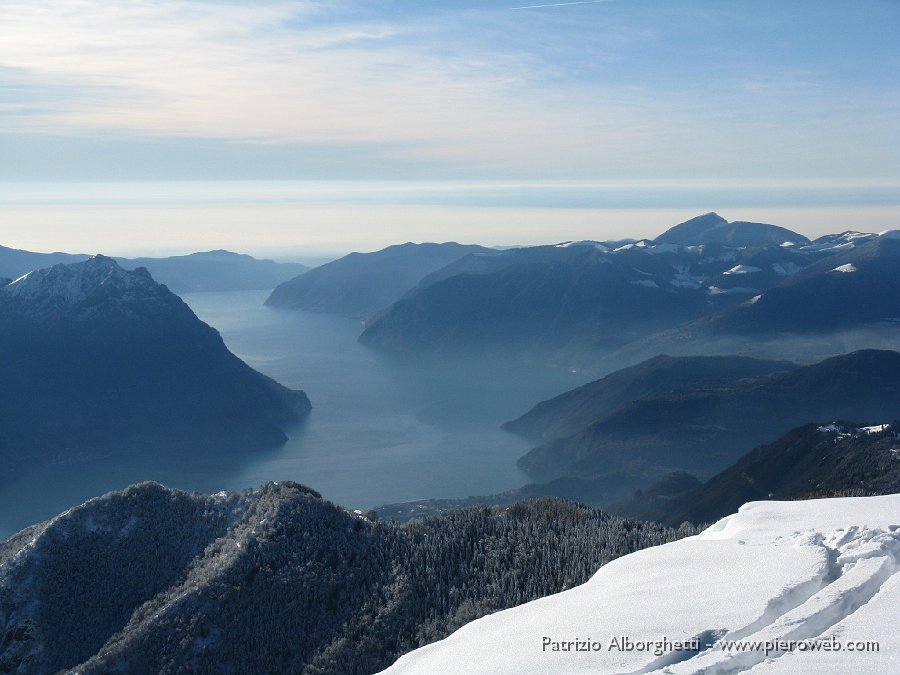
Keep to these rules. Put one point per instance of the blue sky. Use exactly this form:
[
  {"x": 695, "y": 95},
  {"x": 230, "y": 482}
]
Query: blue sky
[{"x": 765, "y": 97}]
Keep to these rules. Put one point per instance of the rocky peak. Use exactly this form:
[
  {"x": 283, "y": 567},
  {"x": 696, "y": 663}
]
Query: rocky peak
[
  {"x": 79, "y": 287},
  {"x": 689, "y": 232}
]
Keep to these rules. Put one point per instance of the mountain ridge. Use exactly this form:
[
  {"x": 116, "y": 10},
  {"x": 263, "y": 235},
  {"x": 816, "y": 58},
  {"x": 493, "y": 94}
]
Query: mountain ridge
[
  {"x": 217, "y": 270},
  {"x": 712, "y": 228},
  {"x": 580, "y": 304},
  {"x": 359, "y": 285},
  {"x": 573, "y": 410},
  {"x": 816, "y": 459},
  {"x": 677, "y": 429},
  {"x": 318, "y": 589}
]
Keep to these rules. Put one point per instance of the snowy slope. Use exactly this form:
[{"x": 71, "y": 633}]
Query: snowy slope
[
  {"x": 69, "y": 285},
  {"x": 774, "y": 571}
]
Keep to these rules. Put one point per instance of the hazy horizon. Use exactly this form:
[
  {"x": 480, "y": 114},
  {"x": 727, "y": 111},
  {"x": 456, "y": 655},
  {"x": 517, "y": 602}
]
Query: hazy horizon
[{"x": 301, "y": 219}]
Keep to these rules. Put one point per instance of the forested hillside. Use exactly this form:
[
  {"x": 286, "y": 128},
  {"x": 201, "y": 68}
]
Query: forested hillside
[
  {"x": 815, "y": 460},
  {"x": 278, "y": 580}
]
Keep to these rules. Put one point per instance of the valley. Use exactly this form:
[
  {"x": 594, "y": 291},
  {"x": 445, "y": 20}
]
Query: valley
[
  {"x": 553, "y": 409},
  {"x": 380, "y": 430},
  {"x": 342, "y": 337}
]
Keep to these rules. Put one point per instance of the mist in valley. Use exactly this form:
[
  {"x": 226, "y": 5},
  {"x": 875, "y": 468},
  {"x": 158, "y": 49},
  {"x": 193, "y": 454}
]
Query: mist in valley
[{"x": 383, "y": 428}]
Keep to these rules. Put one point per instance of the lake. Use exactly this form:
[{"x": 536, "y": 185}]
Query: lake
[{"x": 382, "y": 429}]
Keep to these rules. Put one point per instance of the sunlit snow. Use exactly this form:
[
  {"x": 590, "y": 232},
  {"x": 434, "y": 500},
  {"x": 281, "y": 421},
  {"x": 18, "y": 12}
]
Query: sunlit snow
[
  {"x": 743, "y": 269},
  {"x": 810, "y": 572}
]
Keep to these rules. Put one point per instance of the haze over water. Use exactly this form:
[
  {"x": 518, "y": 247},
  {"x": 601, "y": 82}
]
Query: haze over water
[{"x": 381, "y": 430}]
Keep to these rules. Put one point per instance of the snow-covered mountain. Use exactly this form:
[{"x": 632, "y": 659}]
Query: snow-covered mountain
[
  {"x": 99, "y": 359},
  {"x": 787, "y": 587},
  {"x": 83, "y": 290}
]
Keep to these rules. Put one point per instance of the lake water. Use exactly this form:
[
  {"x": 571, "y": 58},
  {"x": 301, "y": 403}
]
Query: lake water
[{"x": 382, "y": 430}]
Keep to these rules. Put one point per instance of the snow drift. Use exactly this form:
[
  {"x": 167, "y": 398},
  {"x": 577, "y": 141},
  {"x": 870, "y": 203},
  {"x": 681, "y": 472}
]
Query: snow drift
[{"x": 810, "y": 586}]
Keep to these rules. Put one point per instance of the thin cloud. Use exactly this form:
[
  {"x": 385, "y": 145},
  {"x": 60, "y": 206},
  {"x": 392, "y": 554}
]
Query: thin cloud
[
  {"x": 479, "y": 92},
  {"x": 563, "y": 4},
  {"x": 281, "y": 75}
]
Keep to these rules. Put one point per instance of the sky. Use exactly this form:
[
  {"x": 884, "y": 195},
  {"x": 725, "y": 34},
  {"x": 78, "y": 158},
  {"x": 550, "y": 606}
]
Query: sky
[{"x": 136, "y": 126}]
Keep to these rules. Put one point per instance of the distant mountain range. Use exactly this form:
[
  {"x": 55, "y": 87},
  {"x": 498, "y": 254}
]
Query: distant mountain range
[
  {"x": 847, "y": 300},
  {"x": 277, "y": 580},
  {"x": 209, "y": 271},
  {"x": 704, "y": 424},
  {"x": 361, "y": 284},
  {"x": 97, "y": 358},
  {"x": 815, "y": 460},
  {"x": 215, "y": 271},
  {"x": 533, "y": 301},
  {"x": 578, "y": 303},
  {"x": 15, "y": 262},
  {"x": 850, "y": 287}
]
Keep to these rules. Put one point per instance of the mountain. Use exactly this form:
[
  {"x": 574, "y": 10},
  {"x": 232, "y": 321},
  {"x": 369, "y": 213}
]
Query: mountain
[
  {"x": 96, "y": 357},
  {"x": 815, "y": 459},
  {"x": 711, "y": 228},
  {"x": 702, "y": 428},
  {"x": 209, "y": 271},
  {"x": 570, "y": 303},
  {"x": 821, "y": 576},
  {"x": 846, "y": 297},
  {"x": 151, "y": 579},
  {"x": 706, "y": 286},
  {"x": 563, "y": 302},
  {"x": 842, "y": 241},
  {"x": 215, "y": 271},
  {"x": 572, "y": 411},
  {"x": 15, "y": 262},
  {"x": 853, "y": 286},
  {"x": 360, "y": 284}
]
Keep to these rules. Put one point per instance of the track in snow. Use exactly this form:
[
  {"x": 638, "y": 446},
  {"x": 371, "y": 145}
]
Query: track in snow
[{"x": 860, "y": 561}]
